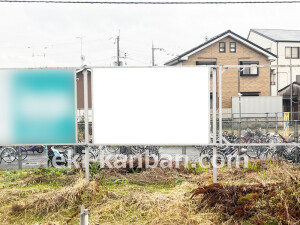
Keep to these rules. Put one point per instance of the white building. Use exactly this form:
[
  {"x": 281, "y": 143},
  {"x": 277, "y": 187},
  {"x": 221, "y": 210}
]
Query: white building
[{"x": 286, "y": 45}]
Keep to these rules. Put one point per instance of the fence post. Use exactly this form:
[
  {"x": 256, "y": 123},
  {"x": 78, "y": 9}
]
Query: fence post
[
  {"x": 184, "y": 150},
  {"x": 276, "y": 123},
  {"x": 296, "y": 140},
  {"x": 296, "y": 131},
  {"x": 240, "y": 128},
  {"x": 19, "y": 158},
  {"x": 84, "y": 216},
  {"x": 86, "y": 125},
  {"x": 232, "y": 123},
  {"x": 267, "y": 123}
]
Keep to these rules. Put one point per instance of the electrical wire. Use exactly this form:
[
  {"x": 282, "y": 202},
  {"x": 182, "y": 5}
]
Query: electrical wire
[{"x": 150, "y": 2}]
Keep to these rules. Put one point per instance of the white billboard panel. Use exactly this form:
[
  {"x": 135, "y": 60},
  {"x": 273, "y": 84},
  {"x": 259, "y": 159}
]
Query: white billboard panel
[{"x": 151, "y": 106}]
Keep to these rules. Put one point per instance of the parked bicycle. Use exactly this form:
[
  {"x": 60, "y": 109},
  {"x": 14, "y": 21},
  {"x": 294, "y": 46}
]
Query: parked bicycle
[{"x": 8, "y": 154}]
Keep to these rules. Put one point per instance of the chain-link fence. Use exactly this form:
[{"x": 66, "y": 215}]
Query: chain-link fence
[
  {"x": 265, "y": 122},
  {"x": 237, "y": 125}
]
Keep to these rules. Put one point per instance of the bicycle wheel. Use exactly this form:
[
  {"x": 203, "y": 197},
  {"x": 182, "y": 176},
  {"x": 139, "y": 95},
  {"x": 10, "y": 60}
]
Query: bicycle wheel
[
  {"x": 267, "y": 153},
  {"x": 280, "y": 154},
  {"x": 252, "y": 152},
  {"x": 154, "y": 150},
  {"x": 24, "y": 154},
  {"x": 112, "y": 149},
  {"x": 40, "y": 149},
  {"x": 8, "y": 154}
]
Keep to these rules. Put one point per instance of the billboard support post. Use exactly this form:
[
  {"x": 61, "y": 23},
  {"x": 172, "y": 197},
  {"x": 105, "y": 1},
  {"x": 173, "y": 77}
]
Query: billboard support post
[
  {"x": 221, "y": 71},
  {"x": 214, "y": 128},
  {"x": 86, "y": 126},
  {"x": 184, "y": 150}
]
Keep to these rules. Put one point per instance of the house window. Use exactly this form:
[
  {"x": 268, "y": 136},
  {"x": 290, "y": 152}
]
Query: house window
[
  {"x": 208, "y": 63},
  {"x": 232, "y": 47},
  {"x": 291, "y": 52},
  {"x": 250, "y": 93},
  {"x": 250, "y": 71},
  {"x": 222, "y": 47}
]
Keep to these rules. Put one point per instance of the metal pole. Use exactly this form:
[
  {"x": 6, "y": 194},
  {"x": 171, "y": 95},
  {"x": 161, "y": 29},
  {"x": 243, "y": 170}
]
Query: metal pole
[
  {"x": 267, "y": 123},
  {"x": 291, "y": 87},
  {"x": 86, "y": 126},
  {"x": 276, "y": 123},
  {"x": 19, "y": 158},
  {"x": 153, "y": 54},
  {"x": 296, "y": 132},
  {"x": 84, "y": 216},
  {"x": 215, "y": 127},
  {"x": 184, "y": 150},
  {"x": 232, "y": 125},
  {"x": 118, "y": 51},
  {"x": 240, "y": 102},
  {"x": 220, "y": 105}
]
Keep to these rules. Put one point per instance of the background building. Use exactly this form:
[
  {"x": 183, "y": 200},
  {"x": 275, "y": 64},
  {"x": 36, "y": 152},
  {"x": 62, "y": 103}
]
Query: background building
[
  {"x": 285, "y": 44},
  {"x": 229, "y": 48}
]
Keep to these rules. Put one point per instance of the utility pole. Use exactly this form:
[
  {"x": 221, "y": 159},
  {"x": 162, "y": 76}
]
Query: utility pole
[
  {"x": 153, "y": 49},
  {"x": 118, "y": 50}
]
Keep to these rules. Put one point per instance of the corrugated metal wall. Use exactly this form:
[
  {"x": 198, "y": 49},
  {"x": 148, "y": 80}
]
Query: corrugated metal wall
[{"x": 257, "y": 106}]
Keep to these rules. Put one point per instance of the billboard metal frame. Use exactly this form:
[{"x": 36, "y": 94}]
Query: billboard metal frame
[{"x": 221, "y": 70}]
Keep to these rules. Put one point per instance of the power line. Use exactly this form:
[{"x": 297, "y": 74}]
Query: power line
[{"x": 150, "y": 2}]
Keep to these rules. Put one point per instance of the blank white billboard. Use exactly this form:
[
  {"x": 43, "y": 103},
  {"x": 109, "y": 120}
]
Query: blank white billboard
[{"x": 151, "y": 106}]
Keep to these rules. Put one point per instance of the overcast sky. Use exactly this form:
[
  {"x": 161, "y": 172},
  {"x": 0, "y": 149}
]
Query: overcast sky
[{"x": 34, "y": 35}]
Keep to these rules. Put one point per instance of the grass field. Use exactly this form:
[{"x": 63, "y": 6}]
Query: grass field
[{"x": 265, "y": 193}]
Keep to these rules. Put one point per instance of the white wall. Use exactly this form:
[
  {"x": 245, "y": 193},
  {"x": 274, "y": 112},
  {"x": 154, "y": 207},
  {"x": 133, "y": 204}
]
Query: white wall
[
  {"x": 257, "y": 106},
  {"x": 284, "y": 72},
  {"x": 263, "y": 42},
  {"x": 266, "y": 43}
]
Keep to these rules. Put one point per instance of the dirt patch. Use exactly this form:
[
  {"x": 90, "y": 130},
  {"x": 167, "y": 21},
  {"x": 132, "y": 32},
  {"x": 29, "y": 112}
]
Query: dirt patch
[
  {"x": 145, "y": 177},
  {"x": 257, "y": 203},
  {"x": 47, "y": 201},
  {"x": 66, "y": 180}
]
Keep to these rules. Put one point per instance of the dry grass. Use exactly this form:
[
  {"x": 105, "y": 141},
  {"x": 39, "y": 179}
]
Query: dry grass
[{"x": 153, "y": 196}]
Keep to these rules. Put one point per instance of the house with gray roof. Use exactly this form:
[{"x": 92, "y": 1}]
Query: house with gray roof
[
  {"x": 229, "y": 48},
  {"x": 286, "y": 45}
]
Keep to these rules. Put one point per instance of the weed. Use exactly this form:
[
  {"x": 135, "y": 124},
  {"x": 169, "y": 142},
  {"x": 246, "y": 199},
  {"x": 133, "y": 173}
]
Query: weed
[{"x": 94, "y": 168}]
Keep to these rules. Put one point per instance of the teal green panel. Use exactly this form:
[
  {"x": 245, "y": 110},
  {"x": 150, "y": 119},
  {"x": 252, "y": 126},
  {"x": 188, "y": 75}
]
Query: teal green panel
[{"x": 43, "y": 106}]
